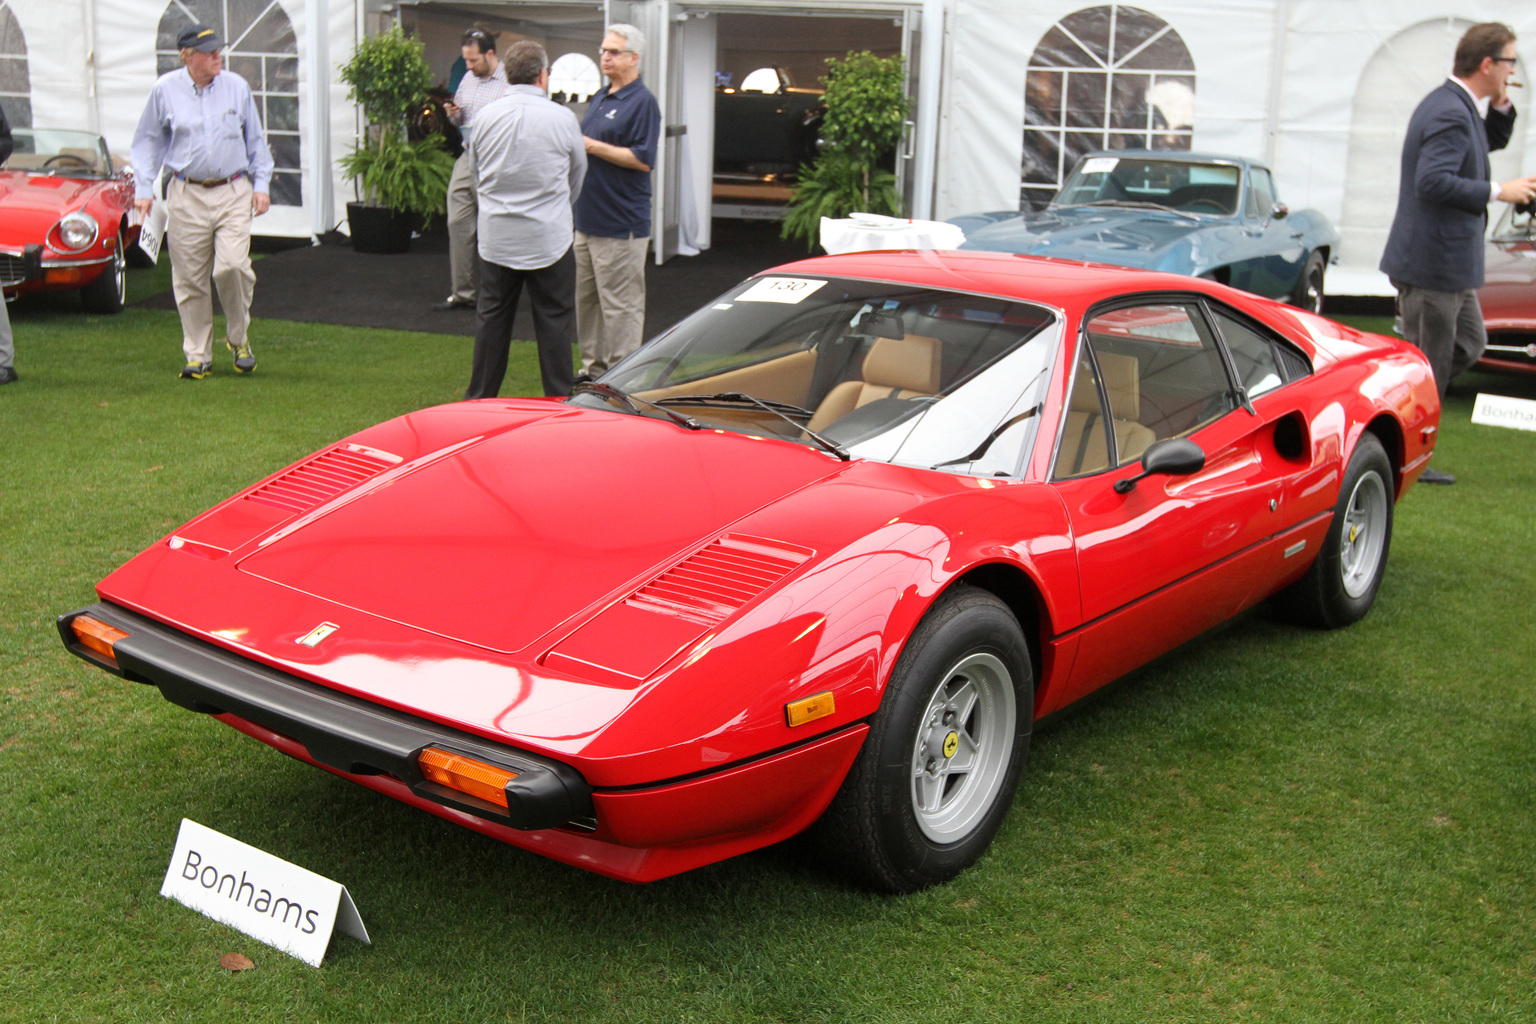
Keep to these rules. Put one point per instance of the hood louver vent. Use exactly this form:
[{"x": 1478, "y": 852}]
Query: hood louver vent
[
  {"x": 718, "y": 579},
  {"x": 318, "y": 480}
]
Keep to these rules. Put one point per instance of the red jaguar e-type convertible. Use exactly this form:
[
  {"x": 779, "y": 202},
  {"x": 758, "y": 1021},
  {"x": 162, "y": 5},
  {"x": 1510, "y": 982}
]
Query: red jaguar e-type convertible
[
  {"x": 66, "y": 218},
  {"x": 818, "y": 556}
]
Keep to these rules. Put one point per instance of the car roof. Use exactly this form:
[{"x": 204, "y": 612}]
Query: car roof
[{"x": 1177, "y": 156}]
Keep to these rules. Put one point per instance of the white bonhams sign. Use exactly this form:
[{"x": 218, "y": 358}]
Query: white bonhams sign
[
  {"x": 265, "y": 897},
  {"x": 1502, "y": 411}
]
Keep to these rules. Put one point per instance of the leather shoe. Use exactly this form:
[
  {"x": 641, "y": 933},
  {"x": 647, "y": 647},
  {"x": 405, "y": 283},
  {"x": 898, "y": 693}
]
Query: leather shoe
[
  {"x": 1435, "y": 476},
  {"x": 8, "y": 374},
  {"x": 451, "y": 303}
]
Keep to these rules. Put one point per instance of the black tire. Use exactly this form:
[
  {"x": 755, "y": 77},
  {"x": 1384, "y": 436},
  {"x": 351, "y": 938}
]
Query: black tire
[
  {"x": 109, "y": 291},
  {"x": 1308, "y": 294},
  {"x": 943, "y": 756},
  {"x": 1341, "y": 585}
]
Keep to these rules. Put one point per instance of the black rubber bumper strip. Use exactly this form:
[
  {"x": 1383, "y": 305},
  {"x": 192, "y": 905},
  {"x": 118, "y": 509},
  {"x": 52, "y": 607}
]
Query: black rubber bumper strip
[{"x": 337, "y": 730}]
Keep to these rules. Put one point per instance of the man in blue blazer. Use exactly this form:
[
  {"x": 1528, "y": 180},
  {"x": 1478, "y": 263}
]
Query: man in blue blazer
[{"x": 1434, "y": 253}]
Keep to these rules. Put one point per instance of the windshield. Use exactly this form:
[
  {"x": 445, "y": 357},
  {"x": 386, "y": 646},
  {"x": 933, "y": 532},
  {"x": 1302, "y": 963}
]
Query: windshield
[
  {"x": 60, "y": 152},
  {"x": 890, "y": 372},
  {"x": 1183, "y": 185}
]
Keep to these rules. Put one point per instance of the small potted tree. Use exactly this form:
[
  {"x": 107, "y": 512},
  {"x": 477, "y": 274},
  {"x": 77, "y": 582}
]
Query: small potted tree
[
  {"x": 399, "y": 182},
  {"x": 866, "y": 110}
]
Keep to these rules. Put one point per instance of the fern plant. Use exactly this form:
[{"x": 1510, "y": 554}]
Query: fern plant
[{"x": 835, "y": 186}]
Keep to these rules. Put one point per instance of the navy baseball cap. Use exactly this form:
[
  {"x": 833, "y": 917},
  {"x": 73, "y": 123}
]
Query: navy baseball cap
[{"x": 200, "y": 38}]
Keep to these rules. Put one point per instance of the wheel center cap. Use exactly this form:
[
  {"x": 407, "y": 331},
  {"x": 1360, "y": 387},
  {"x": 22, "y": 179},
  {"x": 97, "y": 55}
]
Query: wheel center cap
[
  {"x": 1354, "y": 532},
  {"x": 951, "y": 744}
]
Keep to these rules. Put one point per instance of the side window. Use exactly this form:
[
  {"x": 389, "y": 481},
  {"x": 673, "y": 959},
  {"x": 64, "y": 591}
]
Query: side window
[
  {"x": 1261, "y": 193},
  {"x": 1084, "y": 438},
  {"x": 1163, "y": 374},
  {"x": 1262, "y": 363}
]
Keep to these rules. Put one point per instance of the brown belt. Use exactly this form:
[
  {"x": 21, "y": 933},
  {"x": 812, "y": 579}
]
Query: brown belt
[{"x": 213, "y": 182}]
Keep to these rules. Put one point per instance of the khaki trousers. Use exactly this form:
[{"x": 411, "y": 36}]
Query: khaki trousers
[
  {"x": 610, "y": 299},
  {"x": 209, "y": 231},
  {"x": 463, "y": 226}
]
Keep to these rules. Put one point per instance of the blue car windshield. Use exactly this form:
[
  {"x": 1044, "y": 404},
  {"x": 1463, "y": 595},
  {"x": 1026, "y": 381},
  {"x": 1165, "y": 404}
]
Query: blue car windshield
[
  {"x": 874, "y": 370},
  {"x": 1184, "y": 185}
]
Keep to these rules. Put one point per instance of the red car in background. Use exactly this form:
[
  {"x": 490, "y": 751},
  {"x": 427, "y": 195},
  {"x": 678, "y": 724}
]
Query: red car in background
[
  {"x": 816, "y": 557},
  {"x": 1508, "y": 296},
  {"x": 67, "y": 220}
]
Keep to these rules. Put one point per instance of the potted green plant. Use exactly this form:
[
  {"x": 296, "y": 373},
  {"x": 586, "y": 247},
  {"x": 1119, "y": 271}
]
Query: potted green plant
[
  {"x": 399, "y": 181},
  {"x": 866, "y": 110}
]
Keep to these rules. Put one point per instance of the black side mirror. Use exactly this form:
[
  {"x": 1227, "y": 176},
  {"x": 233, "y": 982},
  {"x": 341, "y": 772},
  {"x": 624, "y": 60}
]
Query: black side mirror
[
  {"x": 1279, "y": 211},
  {"x": 1176, "y": 456}
]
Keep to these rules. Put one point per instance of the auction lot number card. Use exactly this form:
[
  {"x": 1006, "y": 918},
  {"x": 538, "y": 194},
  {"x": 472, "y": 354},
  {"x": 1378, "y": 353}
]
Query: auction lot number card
[{"x": 265, "y": 897}]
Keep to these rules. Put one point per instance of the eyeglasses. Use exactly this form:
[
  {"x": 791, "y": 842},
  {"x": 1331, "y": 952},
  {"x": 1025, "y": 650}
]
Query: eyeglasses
[
  {"x": 1511, "y": 61},
  {"x": 606, "y": 52}
]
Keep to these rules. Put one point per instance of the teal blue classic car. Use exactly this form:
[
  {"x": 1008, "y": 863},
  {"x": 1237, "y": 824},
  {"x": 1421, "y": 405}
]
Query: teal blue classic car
[{"x": 1186, "y": 213}]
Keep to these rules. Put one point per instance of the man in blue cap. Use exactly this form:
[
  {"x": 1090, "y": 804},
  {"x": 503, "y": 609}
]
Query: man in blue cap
[{"x": 202, "y": 126}]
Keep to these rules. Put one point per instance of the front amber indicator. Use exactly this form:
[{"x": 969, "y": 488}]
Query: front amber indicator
[
  {"x": 63, "y": 275},
  {"x": 97, "y": 635},
  {"x": 466, "y": 775},
  {"x": 808, "y": 709}
]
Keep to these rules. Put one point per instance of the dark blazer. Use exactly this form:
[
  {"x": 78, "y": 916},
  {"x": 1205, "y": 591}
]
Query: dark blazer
[
  {"x": 6, "y": 143},
  {"x": 1436, "y": 240}
]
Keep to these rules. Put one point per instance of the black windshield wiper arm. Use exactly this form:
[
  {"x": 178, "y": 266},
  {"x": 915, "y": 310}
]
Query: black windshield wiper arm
[
  {"x": 783, "y": 410},
  {"x": 609, "y": 391},
  {"x": 981, "y": 449},
  {"x": 1136, "y": 204}
]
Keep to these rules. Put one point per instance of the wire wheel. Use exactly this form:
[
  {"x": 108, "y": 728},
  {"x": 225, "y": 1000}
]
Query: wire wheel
[{"x": 964, "y": 743}]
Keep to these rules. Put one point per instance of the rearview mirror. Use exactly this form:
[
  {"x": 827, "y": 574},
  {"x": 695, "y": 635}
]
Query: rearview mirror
[{"x": 1176, "y": 456}]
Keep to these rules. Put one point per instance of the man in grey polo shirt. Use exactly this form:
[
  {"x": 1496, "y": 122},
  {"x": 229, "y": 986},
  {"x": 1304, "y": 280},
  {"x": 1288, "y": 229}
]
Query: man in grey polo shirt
[
  {"x": 526, "y": 159},
  {"x": 201, "y": 125}
]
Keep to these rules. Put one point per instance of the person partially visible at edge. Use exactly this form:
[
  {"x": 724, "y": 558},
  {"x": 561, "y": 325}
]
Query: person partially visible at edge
[
  {"x": 613, "y": 215},
  {"x": 483, "y": 84},
  {"x": 525, "y": 158},
  {"x": 202, "y": 126},
  {"x": 7, "y": 349},
  {"x": 1434, "y": 253}
]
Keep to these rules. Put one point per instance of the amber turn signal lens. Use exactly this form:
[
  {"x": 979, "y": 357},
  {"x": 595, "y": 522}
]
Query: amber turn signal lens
[
  {"x": 466, "y": 775},
  {"x": 97, "y": 635},
  {"x": 808, "y": 709}
]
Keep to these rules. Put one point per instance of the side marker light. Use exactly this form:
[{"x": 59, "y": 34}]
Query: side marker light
[
  {"x": 467, "y": 775},
  {"x": 97, "y": 636},
  {"x": 808, "y": 709}
]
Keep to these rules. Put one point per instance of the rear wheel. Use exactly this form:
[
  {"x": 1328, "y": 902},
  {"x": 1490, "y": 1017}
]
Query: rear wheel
[
  {"x": 942, "y": 760},
  {"x": 1309, "y": 288},
  {"x": 1341, "y": 585},
  {"x": 109, "y": 291}
]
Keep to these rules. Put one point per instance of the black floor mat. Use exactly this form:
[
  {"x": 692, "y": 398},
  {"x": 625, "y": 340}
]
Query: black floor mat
[{"x": 331, "y": 284}]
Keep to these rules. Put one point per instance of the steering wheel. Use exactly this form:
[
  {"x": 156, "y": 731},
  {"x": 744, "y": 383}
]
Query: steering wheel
[
  {"x": 75, "y": 161},
  {"x": 1208, "y": 205}
]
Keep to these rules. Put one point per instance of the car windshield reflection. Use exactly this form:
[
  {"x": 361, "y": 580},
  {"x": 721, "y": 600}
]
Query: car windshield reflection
[
  {"x": 1183, "y": 185},
  {"x": 59, "y": 152},
  {"x": 906, "y": 375}
]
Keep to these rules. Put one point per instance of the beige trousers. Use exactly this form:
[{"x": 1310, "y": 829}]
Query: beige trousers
[
  {"x": 463, "y": 226},
  {"x": 610, "y": 299},
  {"x": 209, "y": 231}
]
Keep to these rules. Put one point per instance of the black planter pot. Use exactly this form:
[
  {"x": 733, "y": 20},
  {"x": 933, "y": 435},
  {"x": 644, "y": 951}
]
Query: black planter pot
[{"x": 378, "y": 229}]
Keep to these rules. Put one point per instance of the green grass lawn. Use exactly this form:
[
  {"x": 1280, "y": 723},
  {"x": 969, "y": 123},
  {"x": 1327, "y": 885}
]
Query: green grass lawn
[{"x": 1268, "y": 824}]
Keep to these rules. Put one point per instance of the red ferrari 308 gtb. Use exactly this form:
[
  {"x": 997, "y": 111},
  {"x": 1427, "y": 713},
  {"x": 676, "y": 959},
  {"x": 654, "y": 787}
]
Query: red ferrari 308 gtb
[
  {"x": 67, "y": 221},
  {"x": 816, "y": 557}
]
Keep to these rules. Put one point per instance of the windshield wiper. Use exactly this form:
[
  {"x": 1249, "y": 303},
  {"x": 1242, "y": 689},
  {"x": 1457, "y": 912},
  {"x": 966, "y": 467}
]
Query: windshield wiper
[
  {"x": 986, "y": 443},
  {"x": 609, "y": 391},
  {"x": 783, "y": 410},
  {"x": 1136, "y": 204}
]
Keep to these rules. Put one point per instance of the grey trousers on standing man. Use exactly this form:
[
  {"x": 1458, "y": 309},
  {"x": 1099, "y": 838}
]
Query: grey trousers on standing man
[{"x": 462, "y": 213}]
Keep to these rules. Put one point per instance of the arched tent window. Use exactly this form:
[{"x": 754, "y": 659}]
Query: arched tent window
[
  {"x": 263, "y": 51},
  {"x": 15, "y": 83},
  {"x": 576, "y": 76},
  {"x": 1109, "y": 77}
]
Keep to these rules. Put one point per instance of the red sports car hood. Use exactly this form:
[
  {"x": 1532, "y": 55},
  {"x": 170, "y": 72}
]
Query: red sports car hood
[
  {"x": 31, "y": 204},
  {"x": 503, "y": 540}
]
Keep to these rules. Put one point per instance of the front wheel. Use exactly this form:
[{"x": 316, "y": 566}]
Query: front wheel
[
  {"x": 1309, "y": 287},
  {"x": 942, "y": 760},
  {"x": 1341, "y": 585},
  {"x": 109, "y": 291}
]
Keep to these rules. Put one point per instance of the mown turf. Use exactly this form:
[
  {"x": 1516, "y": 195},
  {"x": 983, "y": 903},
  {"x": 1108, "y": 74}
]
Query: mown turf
[{"x": 1268, "y": 824}]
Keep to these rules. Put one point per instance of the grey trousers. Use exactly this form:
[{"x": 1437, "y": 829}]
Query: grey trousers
[
  {"x": 463, "y": 211},
  {"x": 1446, "y": 326},
  {"x": 7, "y": 348}
]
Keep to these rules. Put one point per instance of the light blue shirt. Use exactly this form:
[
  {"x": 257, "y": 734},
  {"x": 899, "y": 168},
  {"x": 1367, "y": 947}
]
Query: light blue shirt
[
  {"x": 205, "y": 134},
  {"x": 527, "y": 160}
]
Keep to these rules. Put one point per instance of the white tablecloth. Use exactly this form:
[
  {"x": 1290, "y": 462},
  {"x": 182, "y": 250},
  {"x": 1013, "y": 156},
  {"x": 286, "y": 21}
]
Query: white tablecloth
[{"x": 861, "y": 232}]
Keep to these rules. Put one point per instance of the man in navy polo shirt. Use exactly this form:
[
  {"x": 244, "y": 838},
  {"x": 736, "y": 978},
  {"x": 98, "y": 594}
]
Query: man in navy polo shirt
[{"x": 613, "y": 213}]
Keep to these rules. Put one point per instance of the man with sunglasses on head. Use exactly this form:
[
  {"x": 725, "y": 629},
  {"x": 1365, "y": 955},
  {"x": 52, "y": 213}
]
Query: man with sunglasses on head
[
  {"x": 613, "y": 214},
  {"x": 201, "y": 125},
  {"x": 484, "y": 82},
  {"x": 1434, "y": 253}
]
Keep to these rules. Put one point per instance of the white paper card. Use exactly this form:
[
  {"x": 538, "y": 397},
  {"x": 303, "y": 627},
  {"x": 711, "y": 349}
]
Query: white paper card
[
  {"x": 153, "y": 230},
  {"x": 779, "y": 289},
  {"x": 1502, "y": 411},
  {"x": 265, "y": 897},
  {"x": 1101, "y": 165}
]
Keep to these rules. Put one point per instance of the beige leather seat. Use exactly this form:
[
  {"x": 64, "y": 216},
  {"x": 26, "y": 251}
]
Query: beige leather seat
[
  {"x": 1082, "y": 440},
  {"x": 894, "y": 368}
]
